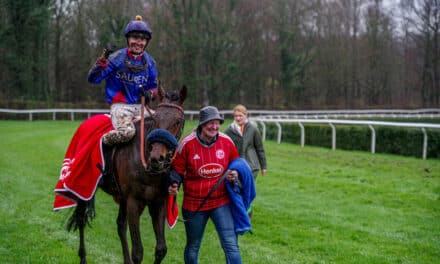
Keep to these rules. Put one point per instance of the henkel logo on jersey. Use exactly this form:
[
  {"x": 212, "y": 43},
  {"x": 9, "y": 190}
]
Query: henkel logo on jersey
[{"x": 211, "y": 170}]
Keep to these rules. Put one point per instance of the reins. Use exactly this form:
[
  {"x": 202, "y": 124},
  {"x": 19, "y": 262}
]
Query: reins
[
  {"x": 144, "y": 163},
  {"x": 217, "y": 184}
]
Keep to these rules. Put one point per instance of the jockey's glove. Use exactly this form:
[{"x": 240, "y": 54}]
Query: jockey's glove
[{"x": 109, "y": 49}]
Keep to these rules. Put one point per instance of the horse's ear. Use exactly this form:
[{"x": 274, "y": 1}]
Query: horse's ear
[
  {"x": 183, "y": 92},
  {"x": 160, "y": 91}
]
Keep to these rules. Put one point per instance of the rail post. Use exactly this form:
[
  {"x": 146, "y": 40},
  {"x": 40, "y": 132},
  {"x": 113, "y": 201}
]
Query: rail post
[
  {"x": 373, "y": 139},
  {"x": 333, "y": 136},
  {"x": 425, "y": 143},
  {"x": 303, "y": 136},
  {"x": 279, "y": 132}
]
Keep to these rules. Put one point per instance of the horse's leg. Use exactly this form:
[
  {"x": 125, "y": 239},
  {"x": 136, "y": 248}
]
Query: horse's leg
[
  {"x": 158, "y": 213},
  {"x": 134, "y": 211},
  {"x": 78, "y": 220},
  {"x": 82, "y": 246},
  {"x": 122, "y": 230}
]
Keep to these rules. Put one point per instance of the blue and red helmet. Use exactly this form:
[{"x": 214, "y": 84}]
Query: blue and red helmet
[{"x": 139, "y": 28}]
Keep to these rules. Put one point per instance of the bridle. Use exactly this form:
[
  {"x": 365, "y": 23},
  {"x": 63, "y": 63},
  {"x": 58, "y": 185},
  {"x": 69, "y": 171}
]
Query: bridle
[
  {"x": 171, "y": 105},
  {"x": 142, "y": 136},
  {"x": 180, "y": 119}
]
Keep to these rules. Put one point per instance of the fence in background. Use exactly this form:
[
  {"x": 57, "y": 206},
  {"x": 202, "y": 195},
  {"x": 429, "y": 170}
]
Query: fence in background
[
  {"x": 332, "y": 122},
  {"x": 338, "y": 114},
  {"x": 330, "y": 117},
  {"x": 268, "y": 114}
]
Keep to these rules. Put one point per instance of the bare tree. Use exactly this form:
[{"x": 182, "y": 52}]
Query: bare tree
[
  {"x": 263, "y": 53},
  {"x": 378, "y": 69},
  {"x": 424, "y": 18}
]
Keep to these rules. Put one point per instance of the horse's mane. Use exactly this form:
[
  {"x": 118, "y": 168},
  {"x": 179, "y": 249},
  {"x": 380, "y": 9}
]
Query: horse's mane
[{"x": 149, "y": 123}]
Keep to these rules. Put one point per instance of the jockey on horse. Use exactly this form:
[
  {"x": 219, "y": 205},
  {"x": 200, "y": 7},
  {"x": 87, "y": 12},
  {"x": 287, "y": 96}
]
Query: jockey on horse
[{"x": 129, "y": 73}]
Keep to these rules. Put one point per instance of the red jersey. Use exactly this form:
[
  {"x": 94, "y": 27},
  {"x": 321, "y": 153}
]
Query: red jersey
[{"x": 202, "y": 166}]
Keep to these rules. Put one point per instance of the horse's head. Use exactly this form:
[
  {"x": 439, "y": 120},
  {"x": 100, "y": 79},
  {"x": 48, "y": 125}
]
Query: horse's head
[
  {"x": 169, "y": 113},
  {"x": 170, "y": 120},
  {"x": 161, "y": 146}
]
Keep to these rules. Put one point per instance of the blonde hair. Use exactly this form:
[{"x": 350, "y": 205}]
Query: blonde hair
[{"x": 240, "y": 108}]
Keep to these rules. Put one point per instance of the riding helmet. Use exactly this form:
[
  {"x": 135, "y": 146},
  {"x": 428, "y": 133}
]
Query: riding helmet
[{"x": 138, "y": 27}]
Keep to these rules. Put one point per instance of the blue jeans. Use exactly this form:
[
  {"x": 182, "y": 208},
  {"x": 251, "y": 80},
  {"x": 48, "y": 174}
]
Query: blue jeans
[{"x": 224, "y": 224}]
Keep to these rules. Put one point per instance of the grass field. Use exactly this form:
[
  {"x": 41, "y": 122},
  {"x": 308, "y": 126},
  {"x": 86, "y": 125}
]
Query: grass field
[{"x": 314, "y": 206}]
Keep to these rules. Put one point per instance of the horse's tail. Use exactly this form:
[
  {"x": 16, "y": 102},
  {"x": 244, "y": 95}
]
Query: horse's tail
[{"x": 82, "y": 216}]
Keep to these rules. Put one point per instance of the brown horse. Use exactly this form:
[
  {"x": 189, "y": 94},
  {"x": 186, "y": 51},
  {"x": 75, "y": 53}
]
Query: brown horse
[{"x": 135, "y": 186}]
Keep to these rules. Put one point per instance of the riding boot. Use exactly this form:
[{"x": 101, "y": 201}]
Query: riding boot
[{"x": 117, "y": 136}]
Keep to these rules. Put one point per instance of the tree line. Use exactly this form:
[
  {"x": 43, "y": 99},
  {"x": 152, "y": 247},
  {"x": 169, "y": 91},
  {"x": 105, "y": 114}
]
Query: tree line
[{"x": 267, "y": 54}]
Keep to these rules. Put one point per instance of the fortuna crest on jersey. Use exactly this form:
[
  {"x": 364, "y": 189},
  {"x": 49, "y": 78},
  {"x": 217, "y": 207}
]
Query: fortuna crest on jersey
[{"x": 220, "y": 154}]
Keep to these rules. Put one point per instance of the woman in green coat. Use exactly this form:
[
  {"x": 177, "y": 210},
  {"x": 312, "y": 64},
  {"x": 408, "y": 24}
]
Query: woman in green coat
[{"x": 247, "y": 139}]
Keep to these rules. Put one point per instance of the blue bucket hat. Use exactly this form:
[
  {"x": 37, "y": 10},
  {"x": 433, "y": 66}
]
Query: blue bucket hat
[{"x": 209, "y": 113}]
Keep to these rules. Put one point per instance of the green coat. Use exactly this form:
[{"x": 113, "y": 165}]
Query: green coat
[{"x": 250, "y": 145}]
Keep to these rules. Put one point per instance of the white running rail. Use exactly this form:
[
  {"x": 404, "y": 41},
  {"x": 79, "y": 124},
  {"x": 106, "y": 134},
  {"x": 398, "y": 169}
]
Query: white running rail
[
  {"x": 300, "y": 117},
  {"x": 333, "y": 122},
  {"x": 274, "y": 114}
]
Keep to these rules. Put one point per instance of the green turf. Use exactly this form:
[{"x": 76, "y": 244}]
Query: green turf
[{"x": 315, "y": 205}]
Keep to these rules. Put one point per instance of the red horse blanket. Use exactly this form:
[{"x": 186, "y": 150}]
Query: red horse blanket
[{"x": 79, "y": 174}]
